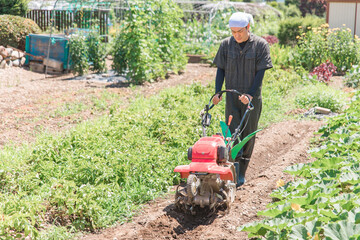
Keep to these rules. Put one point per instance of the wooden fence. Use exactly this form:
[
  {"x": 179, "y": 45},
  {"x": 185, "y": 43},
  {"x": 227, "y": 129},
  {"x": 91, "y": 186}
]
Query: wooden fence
[{"x": 66, "y": 19}]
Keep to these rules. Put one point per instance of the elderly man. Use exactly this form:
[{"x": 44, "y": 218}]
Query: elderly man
[{"x": 242, "y": 60}]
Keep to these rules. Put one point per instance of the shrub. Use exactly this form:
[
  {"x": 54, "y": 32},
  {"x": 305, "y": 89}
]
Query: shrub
[
  {"x": 14, "y": 29},
  {"x": 151, "y": 43},
  {"x": 322, "y": 44},
  {"x": 316, "y": 7},
  {"x": 352, "y": 77},
  {"x": 320, "y": 95},
  {"x": 311, "y": 50},
  {"x": 324, "y": 71},
  {"x": 292, "y": 11},
  {"x": 14, "y": 7},
  {"x": 292, "y": 27},
  {"x": 344, "y": 49}
]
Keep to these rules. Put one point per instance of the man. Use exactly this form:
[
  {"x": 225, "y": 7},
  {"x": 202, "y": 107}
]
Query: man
[{"x": 242, "y": 60}]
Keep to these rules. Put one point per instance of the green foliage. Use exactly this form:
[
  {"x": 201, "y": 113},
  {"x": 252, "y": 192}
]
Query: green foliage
[
  {"x": 79, "y": 54},
  {"x": 280, "y": 55},
  {"x": 324, "y": 200},
  {"x": 343, "y": 48},
  {"x": 290, "y": 28},
  {"x": 277, "y": 88},
  {"x": 14, "y": 29},
  {"x": 292, "y": 11},
  {"x": 87, "y": 53},
  {"x": 97, "y": 51},
  {"x": 14, "y": 7},
  {"x": 151, "y": 43},
  {"x": 267, "y": 24},
  {"x": 322, "y": 44},
  {"x": 352, "y": 77},
  {"x": 320, "y": 95}
]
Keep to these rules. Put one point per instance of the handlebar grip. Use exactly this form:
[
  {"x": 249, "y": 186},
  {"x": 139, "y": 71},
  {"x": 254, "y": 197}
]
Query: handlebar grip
[{"x": 230, "y": 119}]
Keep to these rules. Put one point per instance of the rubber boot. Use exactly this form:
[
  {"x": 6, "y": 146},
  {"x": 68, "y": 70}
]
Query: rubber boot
[{"x": 241, "y": 167}]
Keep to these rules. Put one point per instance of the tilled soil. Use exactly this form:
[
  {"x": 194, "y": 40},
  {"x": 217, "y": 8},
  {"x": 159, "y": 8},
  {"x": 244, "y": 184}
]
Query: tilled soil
[
  {"x": 29, "y": 102},
  {"x": 280, "y": 145}
]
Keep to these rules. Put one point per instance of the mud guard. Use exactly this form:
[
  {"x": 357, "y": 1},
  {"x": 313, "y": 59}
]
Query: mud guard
[{"x": 235, "y": 150}]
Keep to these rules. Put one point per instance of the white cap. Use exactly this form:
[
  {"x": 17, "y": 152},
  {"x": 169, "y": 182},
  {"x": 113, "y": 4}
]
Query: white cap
[{"x": 240, "y": 19}]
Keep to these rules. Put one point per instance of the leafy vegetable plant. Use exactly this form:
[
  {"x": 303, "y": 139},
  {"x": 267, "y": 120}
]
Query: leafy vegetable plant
[{"x": 324, "y": 200}]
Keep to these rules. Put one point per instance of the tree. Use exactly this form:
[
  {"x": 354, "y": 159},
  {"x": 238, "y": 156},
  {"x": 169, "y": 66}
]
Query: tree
[
  {"x": 317, "y": 7},
  {"x": 14, "y": 7}
]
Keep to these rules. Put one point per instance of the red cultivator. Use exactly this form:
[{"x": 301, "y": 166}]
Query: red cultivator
[{"x": 211, "y": 175}]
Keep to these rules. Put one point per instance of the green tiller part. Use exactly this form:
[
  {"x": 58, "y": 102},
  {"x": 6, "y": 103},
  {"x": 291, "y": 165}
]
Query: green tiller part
[
  {"x": 224, "y": 127},
  {"x": 235, "y": 150}
]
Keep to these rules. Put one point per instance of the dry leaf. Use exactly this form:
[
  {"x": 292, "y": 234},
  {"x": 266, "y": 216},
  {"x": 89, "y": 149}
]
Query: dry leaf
[{"x": 280, "y": 183}]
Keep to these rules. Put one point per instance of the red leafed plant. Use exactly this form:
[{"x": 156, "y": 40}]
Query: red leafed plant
[
  {"x": 324, "y": 71},
  {"x": 271, "y": 39}
]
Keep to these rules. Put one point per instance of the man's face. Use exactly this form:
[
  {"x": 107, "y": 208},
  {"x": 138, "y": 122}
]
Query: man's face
[{"x": 241, "y": 34}]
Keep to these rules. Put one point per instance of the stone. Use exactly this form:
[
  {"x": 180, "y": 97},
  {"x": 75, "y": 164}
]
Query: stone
[
  {"x": 9, "y": 50},
  {"x": 3, "y": 64},
  {"x": 22, "y": 61},
  {"x": 16, "y": 63},
  {"x": 15, "y": 54},
  {"x": 4, "y": 52},
  {"x": 10, "y": 63},
  {"x": 1, "y": 58},
  {"x": 21, "y": 54}
]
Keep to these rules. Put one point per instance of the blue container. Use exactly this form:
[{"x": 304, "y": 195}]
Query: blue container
[{"x": 38, "y": 45}]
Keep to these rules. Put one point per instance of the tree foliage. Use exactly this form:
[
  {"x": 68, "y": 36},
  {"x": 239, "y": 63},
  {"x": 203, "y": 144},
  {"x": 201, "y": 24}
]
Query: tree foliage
[
  {"x": 314, "y": 7},
  {"x": 13, "y": 7}
]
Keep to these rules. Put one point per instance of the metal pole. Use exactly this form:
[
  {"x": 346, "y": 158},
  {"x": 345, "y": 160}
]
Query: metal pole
[
  {"x": 356, "y": 7},
  {"x": 51, "y": 30}
]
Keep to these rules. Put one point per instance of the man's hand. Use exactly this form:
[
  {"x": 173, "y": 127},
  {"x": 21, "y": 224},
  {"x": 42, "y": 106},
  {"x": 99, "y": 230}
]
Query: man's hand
[
  {"x": 245, "y": 98},
  {"x": 216, "y": 99}
]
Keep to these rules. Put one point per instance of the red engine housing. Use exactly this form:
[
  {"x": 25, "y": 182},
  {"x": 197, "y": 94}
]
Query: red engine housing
[{"x": 204, "y": 159}]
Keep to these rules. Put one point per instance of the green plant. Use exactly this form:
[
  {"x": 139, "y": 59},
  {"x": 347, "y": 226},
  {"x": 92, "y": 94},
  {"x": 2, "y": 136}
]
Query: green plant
[
  {"x": 343, "y": 48},
  {"x": 311, "y": 50},
  {"x": 352, "y": 77},
  {"x": 79, "y": 54},
  {"x": 280, "y": 55},
  {"x": 14, "y": 29},
  {"x": 323, "y": 200},
  {"x": 321, "y": 44},
  {"x": 151, "y": 43},
  {"x": 97, "y": 51},
  {"x": 290, "y": 28},
  {"x": 14, "y": 7},
  {"x": 320, "y": 95},
  {"x": 292, "y": 11}
]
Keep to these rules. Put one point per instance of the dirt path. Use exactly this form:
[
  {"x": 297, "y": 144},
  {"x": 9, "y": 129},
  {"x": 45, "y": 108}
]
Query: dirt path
[
  {"x": 276, "y": 147},
  {"x": 31, "y": 104}
]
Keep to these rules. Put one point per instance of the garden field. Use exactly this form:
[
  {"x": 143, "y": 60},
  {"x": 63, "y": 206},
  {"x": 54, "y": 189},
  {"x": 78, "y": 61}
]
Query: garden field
[
  {"x": 90, "y": 154},
  {"x": 278, "y": 146}
]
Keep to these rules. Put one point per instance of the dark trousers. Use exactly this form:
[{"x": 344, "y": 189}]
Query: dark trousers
[{"x": 237, "y": 109}]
